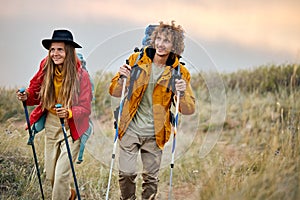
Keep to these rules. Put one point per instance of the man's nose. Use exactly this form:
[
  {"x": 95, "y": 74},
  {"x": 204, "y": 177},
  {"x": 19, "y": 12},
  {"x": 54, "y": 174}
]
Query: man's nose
[{"x": 160, "y": 43}]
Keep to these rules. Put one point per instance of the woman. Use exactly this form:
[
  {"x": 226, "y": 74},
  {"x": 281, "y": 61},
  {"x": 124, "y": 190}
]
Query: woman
[{"x": 60, "y": 79}]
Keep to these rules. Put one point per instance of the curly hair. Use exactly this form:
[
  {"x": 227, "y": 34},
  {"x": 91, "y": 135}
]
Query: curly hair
[{"x": 177, "y": 35}]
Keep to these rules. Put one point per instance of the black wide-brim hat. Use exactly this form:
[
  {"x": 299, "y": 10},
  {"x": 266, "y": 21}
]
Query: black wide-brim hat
[{"x": 60, "y": 36}]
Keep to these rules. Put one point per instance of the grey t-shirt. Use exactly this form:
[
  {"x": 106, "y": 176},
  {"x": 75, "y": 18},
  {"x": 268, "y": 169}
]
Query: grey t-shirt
[{"x": 142, "y": 123}]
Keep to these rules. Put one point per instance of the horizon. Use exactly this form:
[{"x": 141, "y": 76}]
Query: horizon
[{"x": 229, "y": 35}]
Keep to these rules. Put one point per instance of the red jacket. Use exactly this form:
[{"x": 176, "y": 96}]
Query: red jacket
[{"x": 81, "y": 109}]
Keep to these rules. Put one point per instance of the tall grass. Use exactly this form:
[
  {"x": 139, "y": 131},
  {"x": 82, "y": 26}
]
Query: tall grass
[{"x": 256, "y": 157}]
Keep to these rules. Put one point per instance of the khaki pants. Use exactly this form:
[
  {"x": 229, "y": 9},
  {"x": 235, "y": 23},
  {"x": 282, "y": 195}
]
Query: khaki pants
[
  {"x": 151, "y": 154},
  {"x": 57, "y": 164}
]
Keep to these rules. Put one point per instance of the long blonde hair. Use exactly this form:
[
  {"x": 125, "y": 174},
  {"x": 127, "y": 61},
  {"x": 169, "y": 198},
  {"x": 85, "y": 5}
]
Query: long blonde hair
[{"x": 70, "y": 84}]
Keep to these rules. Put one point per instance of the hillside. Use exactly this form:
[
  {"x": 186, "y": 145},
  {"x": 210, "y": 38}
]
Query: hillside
[{"x": 242, "y": 143}]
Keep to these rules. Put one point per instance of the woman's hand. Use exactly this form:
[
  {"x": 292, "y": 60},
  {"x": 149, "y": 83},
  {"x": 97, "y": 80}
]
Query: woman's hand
[
  {"x": 21, "y": 96},
  {"x": 62, "y": 112}
]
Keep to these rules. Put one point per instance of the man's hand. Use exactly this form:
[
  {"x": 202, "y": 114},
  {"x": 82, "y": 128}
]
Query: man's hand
[{"x": 180, "y": 85}]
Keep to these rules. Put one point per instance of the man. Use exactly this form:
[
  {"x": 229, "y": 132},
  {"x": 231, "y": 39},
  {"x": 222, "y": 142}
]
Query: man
[{"x": 145, "y": 119}]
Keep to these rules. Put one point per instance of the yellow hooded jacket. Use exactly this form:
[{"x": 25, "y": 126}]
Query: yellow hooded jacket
[{"x": 161, "y": 95}]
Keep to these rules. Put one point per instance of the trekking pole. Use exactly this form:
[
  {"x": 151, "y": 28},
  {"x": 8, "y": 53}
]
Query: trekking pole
[
  {"x": 69, "y": 152},
  {"x": 116, "y": 135},
  {"x": 31, "y": 143},
  {"x": 173, "y": 145},
  {"x": 176, "y": 76}
]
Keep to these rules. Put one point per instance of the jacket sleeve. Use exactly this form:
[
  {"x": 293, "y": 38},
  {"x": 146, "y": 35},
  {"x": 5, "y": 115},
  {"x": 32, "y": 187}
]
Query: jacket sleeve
[
  {"x": 187, "y": 101},
  {"x": 35, "y": 86},
  {"x": 115, "y": 89}
]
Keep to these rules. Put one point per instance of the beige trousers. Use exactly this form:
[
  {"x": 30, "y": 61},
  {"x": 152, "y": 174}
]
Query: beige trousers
[
  {"x": 130, "y": 146},
  {"x": 57, "y": 163}
]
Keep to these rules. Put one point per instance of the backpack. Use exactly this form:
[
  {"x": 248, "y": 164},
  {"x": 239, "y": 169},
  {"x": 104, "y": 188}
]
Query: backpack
[
  {"x": 83, "y": 64},
  {"x": 85, "y": 136},
  {"x": 136, "y": 70}
]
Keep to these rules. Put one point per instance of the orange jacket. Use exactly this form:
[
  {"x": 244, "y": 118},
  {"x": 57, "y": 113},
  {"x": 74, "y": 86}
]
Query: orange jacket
[{"x": 161, "y": 96}]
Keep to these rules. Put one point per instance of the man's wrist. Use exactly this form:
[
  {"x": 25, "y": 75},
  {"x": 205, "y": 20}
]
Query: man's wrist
[
  {"x": 120, "y": 80},
  {"x": 182, "y": 93}
]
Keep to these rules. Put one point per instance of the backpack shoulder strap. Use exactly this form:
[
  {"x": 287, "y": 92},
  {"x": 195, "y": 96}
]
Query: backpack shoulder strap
[
  {"x": 175, "y": 75},
  {"x": 135, "y": 72}
]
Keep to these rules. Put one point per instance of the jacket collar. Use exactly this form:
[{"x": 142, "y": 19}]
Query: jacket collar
[{"x": 173, "y": 59}]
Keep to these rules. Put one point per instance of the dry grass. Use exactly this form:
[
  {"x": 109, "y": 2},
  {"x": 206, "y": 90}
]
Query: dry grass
[{"x": 256, "y": 156}]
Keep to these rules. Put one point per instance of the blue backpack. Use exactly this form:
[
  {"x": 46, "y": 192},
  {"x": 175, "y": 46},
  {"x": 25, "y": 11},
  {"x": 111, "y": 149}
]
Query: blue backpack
[{"x": 85, "y": 136}]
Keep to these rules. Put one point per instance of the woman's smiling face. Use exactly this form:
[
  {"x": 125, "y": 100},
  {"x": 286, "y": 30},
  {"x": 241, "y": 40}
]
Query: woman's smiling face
[{"x": 57, "y": 52}]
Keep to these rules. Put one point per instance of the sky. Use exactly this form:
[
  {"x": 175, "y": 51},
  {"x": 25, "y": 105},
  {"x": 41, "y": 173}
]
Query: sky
[{"x": 223, "y": 36}]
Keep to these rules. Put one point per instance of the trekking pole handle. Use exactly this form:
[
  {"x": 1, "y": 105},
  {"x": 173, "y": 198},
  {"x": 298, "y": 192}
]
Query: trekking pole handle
[
  {"x": 22, "y": 90},
  {"x": 127, "y": 63},
  {"x": 61, "y": 119},
  {"x": 124, "y": 83}
]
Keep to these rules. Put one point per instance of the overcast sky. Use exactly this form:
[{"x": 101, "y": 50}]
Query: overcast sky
[{"x": 233, "y": 34}]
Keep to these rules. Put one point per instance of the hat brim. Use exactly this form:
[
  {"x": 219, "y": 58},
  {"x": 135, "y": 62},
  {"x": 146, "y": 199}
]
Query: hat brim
[{"x": 47, "y": 43}]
